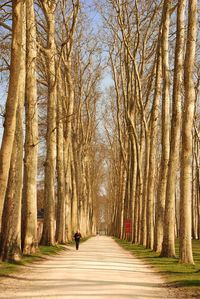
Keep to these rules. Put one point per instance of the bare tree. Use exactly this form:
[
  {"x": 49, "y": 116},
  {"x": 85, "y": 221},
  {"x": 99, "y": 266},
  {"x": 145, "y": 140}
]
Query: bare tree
[
  {"x": 60, "y": 217},
  {"x": 160, "y": 203},
  {"x": 11, "y": 104},
  {"x": 168, "y": 246},
  {"x": 48, "y": 236},
  {"x": 10, "y": 240},
  {"x": 29, "y": 203},
  {"x": 187, "y": 125}
]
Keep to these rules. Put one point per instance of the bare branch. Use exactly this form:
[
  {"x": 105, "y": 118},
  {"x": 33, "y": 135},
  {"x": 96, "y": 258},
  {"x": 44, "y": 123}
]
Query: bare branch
[{"x": 5, "y": 26}]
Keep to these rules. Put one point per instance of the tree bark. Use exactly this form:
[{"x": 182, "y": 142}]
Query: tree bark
[
  {"x": 48, "y": 236},
  {"x": 60, "y": 219},
  {"x": 168, "y": 246},
  {"x": 75, "y": 222},
  {"x": 68, "y": 190},
  {"x": 10, "y": 239},
  {"x": 143, "y": 236},
  {"x": 11, "y": 104},
  {"x": 161, "y": 191},
  {"x": 152, "y": 150},
  {"x": 187, "y": 126},
  {"x": 29, "y": 202}
]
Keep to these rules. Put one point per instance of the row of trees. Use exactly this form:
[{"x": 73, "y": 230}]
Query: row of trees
[
  {"x": 150, "y": 163},
  {"x": 155, "y": 109},
  {"x": 48, "y": 52}
]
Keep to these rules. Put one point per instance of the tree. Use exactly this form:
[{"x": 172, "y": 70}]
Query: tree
[
  {"x": 11, "y": 103},
  {"x": 187, "y": 125},
  {"x": 152, "y": 150},
  {"x": 10, "y": 237},
  {"x": 60, "y": 217},
  {"x": 48, "y": 236},
  {"x": 29, "y": 203},
  {"x": 161, "y": 192},
  {"x": 71, "y": 200},
  {"x": 168, "y": 246}
]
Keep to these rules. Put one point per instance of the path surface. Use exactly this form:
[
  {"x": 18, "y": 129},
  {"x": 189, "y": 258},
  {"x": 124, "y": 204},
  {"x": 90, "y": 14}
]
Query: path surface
[{"x": 99, "y": 269}]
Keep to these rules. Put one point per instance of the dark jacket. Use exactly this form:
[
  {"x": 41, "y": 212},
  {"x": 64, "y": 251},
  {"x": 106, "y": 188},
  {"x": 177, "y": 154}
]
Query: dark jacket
[{"x": 77, "y": 237}]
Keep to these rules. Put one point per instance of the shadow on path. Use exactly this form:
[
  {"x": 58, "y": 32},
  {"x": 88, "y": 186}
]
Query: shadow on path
[{"x": 100, "y": 269}]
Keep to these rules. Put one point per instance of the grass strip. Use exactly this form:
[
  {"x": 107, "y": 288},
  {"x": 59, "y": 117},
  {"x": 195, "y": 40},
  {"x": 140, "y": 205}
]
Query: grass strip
[
  {"x": 177, "y": 274},
  {"x": 7, "y": 268},
  {"x": 10, "y": 267}
]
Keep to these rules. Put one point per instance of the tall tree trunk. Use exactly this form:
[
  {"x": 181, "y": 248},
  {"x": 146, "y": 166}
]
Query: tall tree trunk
[
  {"x": 72, "y": 148},
  {"x": 143, "y": 236},
  {"x": 10, "y": 239},
  {"x": 168, "y": 246},
  {"x": 29, "y": 202},
  {"x": 68, "y": 153},
  {"x": 196, "y": 186},
  {"x": 13, "y": 91},
  {"x": 60, "y": 219},
  {"x": 68, "y": 190},
  {"x": 152, "y": 150},
  {"x": 74, "y": 189},
  {"x": 90, "y": 199},
  {"x": 140, "y": 183},
  {"x": 187, "y": 126},
  {"x": 123, "y": 195},
  {"x": 48, "y": 236},
  {"x": 83, "y": 198},
  {"x": 194, "y": 197},
  {"x": 161, "y": 191},
  {"x": 68, "y": 172},
  {"x": 136, "y": 199}
]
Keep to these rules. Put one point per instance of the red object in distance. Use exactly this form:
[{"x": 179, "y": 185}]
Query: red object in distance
[{"x": 128, "y": 226}]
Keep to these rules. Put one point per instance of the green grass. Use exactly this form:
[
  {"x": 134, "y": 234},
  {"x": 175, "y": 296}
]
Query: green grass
[
  {"x": 177, "y": 274},
  {"x": 8, "y": 268}
]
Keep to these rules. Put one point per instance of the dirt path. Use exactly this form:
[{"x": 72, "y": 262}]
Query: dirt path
[{"x": 99, "y": 269}]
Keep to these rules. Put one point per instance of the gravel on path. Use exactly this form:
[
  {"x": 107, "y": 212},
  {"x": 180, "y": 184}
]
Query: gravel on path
[{"x": 99, "y": 269}]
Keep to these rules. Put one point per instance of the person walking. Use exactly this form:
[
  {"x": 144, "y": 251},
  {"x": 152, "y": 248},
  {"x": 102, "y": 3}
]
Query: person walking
[{"x": 77, "y": 238}]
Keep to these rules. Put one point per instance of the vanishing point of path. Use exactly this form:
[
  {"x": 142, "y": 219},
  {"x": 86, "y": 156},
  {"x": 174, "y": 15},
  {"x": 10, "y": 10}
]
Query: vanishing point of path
[{"x": 99, "y": 269}]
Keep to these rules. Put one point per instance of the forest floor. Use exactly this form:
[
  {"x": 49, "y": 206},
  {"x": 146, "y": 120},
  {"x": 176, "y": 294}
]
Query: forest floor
[{"x": 99, "y": 269}]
